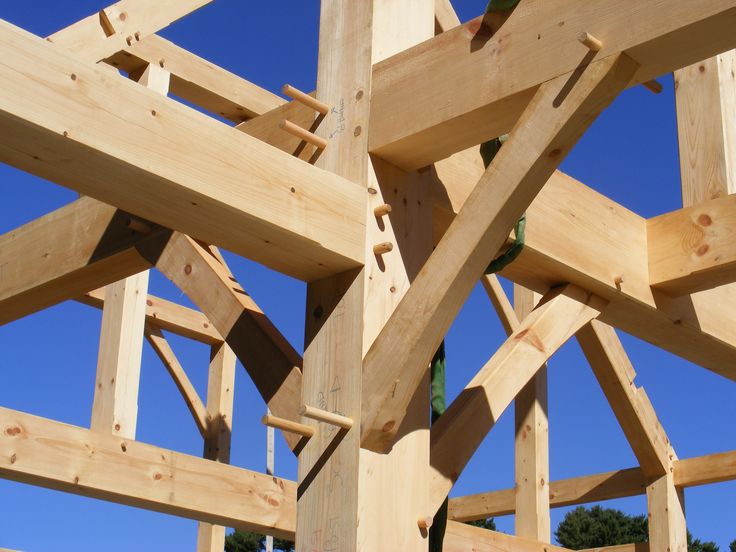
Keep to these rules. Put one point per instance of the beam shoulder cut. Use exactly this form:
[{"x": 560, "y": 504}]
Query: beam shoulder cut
[
  {"x": 169, "y": 164},
  {"x": 58, "y": 456}
]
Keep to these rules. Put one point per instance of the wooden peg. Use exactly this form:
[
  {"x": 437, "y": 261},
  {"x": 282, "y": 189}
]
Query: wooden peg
[
  {"x": 137, "y": 225},
  {"x": 382, "y": 210},
  {"x": 288, "y": 425},
  {"x": 327, "y": 417},
  {"x": 618, "y": 280},
  {"x": 425, "y": 523},
  {"x": 306, "y": 99},
  {"x": 653, "y": 86},
  {"x": 302, "y": 134},
  {"x": 383, "y": 247},
  {"x": 591, "y": 42}
]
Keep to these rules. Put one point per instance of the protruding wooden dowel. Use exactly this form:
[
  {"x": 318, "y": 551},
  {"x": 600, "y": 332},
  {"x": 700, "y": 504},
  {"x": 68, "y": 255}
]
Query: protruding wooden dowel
[
  {"x": 306, "y": 99},
  {"x": 288, "y": 425},
  {"x": 425, "y": 523},
  {"x": 382, "y": 210},
  {"x": 383, "y": 247},
  {"x": 302, "y": 134},
  {"x": 137, "y": 225},
  {"x": 653, "y": 86},
  {"x": 591, "y": 42},
  {"x": 327, "y": 417}
]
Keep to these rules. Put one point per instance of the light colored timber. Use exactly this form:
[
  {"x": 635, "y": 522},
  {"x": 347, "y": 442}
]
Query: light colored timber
[
  {"x": 271, "y": 361},
  {"x": 121, "y": 24},
  {"x": 199, "y": 81},
  {"x": 58, "y": 456},
  {"x": 444, "y": 15},
  {"x": 553, "y": 122},
  {"x": 463, "y": 538},
  {"x": 164, "y": 352},
  {"x": 220, "y": 395},
  {"x": 691, "y": 249},
  {"x": 689, "y": 472},
  {"x": 500, "y": 302},
  {"x": 115, "y": 405},
  {"x": 460, "y": 430},
  {"x": 81, "y": 246},
  {"x": 270, "y": 207},
  {"x": 666, "y": 513},
  {"x": 531, "y": 443},
  {"x": 630, "y": 404},
  {"x": 326, "y": 417},
  {"x": 705, "y": 93},
  {"x": 420, "y": 115},
  {"x": 288, "y": 425},
  {"x": 168, "y": 316},
  {"x": 305, "y": 99},
  {"x": 637, "y": 547},
  {"x": 574, "y": 234}
]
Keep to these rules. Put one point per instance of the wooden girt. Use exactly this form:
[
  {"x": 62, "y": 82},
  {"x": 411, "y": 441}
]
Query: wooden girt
[
  {"x": 62, "y": 255},
  {"x": 168, "y": 316},
  {"x": 575, "y": 234},
  {"x": 688, "y": 472},
  {"x": 472, "y": 83},
  {"x": 273, "y": 364},
  {"x": 630, "y": 403},
  {"x": 121, "y": 24},
  {"x": 197, "y": 80},
  {"x": 692, "y": 249},
  {"x": 455, "y": 437},
  {"x": 554, "y": 120},
  {"x": 461, "y": 537},
  {"x": 72, "y": 459},
  {"x": 267, "y": 206}
]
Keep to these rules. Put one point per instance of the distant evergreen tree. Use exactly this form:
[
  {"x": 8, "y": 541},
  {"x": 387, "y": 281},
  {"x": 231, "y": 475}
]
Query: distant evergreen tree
[
  {"x": 732, "y": 546},
  {"x": 488, "y": 523},
  {"x": 247, "y": 541},
  {"x": 596, "y": 527}
]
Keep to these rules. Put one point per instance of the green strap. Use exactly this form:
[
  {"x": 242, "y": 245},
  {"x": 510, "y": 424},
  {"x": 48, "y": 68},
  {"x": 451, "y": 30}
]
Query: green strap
[{"x": 439, "y": 403}]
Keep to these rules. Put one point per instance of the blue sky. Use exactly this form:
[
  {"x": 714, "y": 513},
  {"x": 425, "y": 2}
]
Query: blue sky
[{"x": 49, "y": 359}]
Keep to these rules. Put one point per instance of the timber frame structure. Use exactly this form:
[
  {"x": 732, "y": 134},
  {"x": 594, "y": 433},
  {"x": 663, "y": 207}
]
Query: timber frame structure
[{"x": 372, "y": 191}]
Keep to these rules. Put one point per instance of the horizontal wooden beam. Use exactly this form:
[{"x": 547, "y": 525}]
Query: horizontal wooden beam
[
  {"x": 101, "y": 135},
  {"x": 62, "y": 255},
  {"x": 690, "y": 472},
  {"x": 72, "y": 459},
  {"x": 460, "y": 537},
  {"x": 693, "y": 249},
  {"x": 636, "y": 547},
  {"x": 169, "y": 316},
  {"x": 197, "y": 80},
  {"x": 574, "y": 234},
  {"x": 471, "y": 83},
  {"x": 121, "y": 24}
]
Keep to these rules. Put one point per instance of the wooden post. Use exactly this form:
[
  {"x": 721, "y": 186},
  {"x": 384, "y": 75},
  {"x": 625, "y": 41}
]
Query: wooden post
[
  {"x": 532, "y": 443},
  {"x": 220, "y": 383},
  {"x": 706, "y": 110},
  {"x": 115, "y": 406},
  {"x": 269, "y": 469},
  {"x": 346, "y": 312}
]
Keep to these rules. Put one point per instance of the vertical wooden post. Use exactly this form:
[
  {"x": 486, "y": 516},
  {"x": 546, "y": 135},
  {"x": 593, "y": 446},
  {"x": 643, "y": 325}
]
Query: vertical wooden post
[
  {"x": 115, "y": 406},
  {"x": 220, "y": 384},
  {"x": 706, "y": 110},
  {"x": 270, "y": 466},
  {"x": 666, "y": 516},
  {"x": 531, "y": 444},
  {"x": 344, "y": 313}
]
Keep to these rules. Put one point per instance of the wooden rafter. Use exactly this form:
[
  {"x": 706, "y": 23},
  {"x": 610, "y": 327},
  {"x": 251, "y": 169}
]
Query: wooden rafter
[
  {"x": 71, "y": 459},
  {"x": 554, "y": 120},
  {"x": 457, "y": 434},
  {"x": 630, "y": 403},
  {"x": 277, "y": 210}
]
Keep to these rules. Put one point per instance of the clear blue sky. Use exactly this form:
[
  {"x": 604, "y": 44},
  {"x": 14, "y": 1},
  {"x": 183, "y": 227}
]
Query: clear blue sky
[{"x": 48, "y": 360}]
